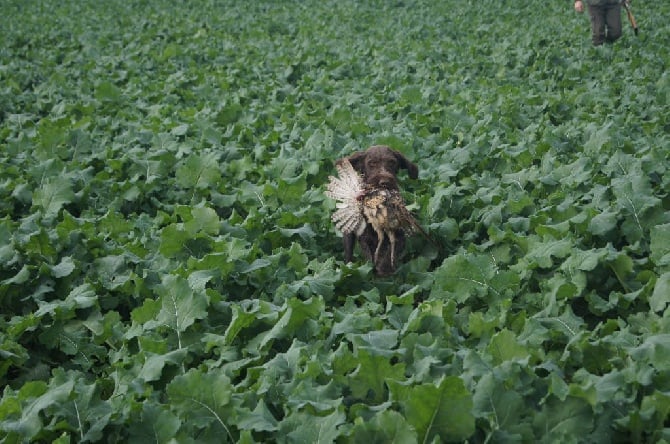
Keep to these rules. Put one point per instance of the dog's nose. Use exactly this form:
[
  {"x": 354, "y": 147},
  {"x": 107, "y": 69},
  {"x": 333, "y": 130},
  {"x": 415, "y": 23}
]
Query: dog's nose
[{"x": 386, "y": 182}]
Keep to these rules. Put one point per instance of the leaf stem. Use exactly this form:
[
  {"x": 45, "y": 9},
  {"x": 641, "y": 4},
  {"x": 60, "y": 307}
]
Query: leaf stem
[
  {"x": 218, "y": 418},
  {"x": 483, "y": 284},
  {"x": 637, "y": 219},
  {"x": 81, "y": 426}
]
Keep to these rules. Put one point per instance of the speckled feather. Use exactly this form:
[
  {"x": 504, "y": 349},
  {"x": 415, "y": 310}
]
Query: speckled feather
[
  {"x": 385, "y": 210},
  {"x": 347, "y": 190}
]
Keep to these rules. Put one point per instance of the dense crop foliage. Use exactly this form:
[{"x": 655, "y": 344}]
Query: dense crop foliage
[{"x": 168, "y": 269}]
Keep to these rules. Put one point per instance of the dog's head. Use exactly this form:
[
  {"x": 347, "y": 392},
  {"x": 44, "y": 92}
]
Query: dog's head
[{"x": 380, "y": 164}]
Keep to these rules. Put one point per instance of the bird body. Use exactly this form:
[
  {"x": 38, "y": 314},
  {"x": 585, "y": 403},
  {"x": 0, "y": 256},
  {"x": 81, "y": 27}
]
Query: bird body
[
  {"x": 385, "y": 210},
  {"x": 359, "y": 204}
]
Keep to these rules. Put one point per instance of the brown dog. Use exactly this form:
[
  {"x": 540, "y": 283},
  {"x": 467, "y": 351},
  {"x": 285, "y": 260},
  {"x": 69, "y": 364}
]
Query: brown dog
[{"x": 379, "y": 166}]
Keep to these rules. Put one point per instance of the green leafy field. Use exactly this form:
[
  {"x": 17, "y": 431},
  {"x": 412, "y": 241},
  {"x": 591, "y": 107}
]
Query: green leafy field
[{"x": 169, "y": 271}]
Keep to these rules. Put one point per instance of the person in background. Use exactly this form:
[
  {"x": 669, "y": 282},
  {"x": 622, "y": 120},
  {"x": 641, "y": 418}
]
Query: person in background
[{"x": 605, "y": 19}]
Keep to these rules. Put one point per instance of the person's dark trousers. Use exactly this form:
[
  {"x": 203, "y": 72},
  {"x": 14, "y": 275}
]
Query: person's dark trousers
[{"x": 605, "y": 23}]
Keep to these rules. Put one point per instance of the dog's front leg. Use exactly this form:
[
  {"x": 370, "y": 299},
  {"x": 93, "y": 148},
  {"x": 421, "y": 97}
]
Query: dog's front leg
[{"x": 348, "y": 240}]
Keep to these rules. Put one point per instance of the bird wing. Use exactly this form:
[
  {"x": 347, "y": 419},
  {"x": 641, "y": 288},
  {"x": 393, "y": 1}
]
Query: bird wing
[
  {"x": 407, "y": 221},
  {"x": 346, "y": 190}
]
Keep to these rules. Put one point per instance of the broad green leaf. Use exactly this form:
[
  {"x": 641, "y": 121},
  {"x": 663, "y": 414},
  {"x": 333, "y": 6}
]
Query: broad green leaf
[
  {"x": 64, "y": 268},
  {"x": 255, "y": 265},
  {"x": 154, "y": 364},
  {"x": 55, "y": 137},
  {"x": 376, "y": 342},
  {"x": 428, "y": 354},
  {"x": 198, "y": 279},
  {"x": 173, "y": 240},
  {"x": 505, "y": 347},
  {"x": 204, "y": 220},
  {"x": 229, "y": 113},
  {"x": 296, "y": 315},
  {"x": 180, "y": 305},
  {"x": 301, "y": 427},
  {"x": 443, "y": 412},
  {"x": 53, "y": 195},
  {"x": 386, "y": 427},
  {"x": 35, "y": 397},
  {"x": 320, "y": 282},
  {"x": 80, "y": 297},
  {"x": 603, "y": 223},
  {"x": 656, "y": 406},
  {"x": 36, "y": 240},
  {"x": 584, "y": 260},
  {"x": 558, "y": 387},
  {"x": 466, "y": 275},
  {"x": 583, "y": 387},
  {"x": 323, "y": 398},
  {"x": 286, "y": 365},
  {"x": 87, "y": 411},
  {"x": 655, "y": 350},
  {"x": 634, "y": 195},
  {"x": 609, "y": 387},
  {"x": 569, "y": 324},
  {"x": 412, "y": 94},
  {"x": 480, "y": 325},
  {"x": 113, "y": 270},
  {"x": 236, "y": 248},
  {"x": 107, "y": 91},
  {"x": 305, "y": 232},
  {"x": 542, "y": 251},
  {"x": 73, "y": 339},
  {"x": 563, "y": 420},
  {"x": 147, "y": 311},
  {"x": 598, "y": 137},
  {"x": 203, "y": 398},
  {"x": 199, "y": 171},
  {"x": 660, "y": 298},
  {"x": 7, "y": 250},
  {"x": 156, "y": 423},
  {"x": 179, "y": 130},
  {"x": 368, "y": 380},
  {"x": 660, "y": 245},
  {"x": 260, "y": 419},
  {"x": 240, "y": 320},
  {"x": 19, "y": 278},
  {"x": 504, "y": 407},
  {"x": 358, "y": 321}
]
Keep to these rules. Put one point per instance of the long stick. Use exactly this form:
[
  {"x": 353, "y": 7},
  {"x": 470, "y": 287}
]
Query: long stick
[{"x": 631, "y": 17}]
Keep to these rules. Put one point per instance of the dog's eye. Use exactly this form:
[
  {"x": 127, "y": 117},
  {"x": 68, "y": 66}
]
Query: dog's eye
[{"x": 391, "y": 165}]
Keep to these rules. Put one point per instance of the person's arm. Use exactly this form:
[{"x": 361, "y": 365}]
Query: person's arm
[{"x": 579, "y": 6}]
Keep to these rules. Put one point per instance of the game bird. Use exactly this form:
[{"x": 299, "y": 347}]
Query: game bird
[{"x": 359, "y": 203}]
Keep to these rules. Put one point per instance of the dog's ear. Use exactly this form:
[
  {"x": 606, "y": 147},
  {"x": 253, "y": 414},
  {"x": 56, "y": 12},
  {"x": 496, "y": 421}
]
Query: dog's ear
[
  {"x": 357, "y": 161},
  {"x": 404, "y": 162}
]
